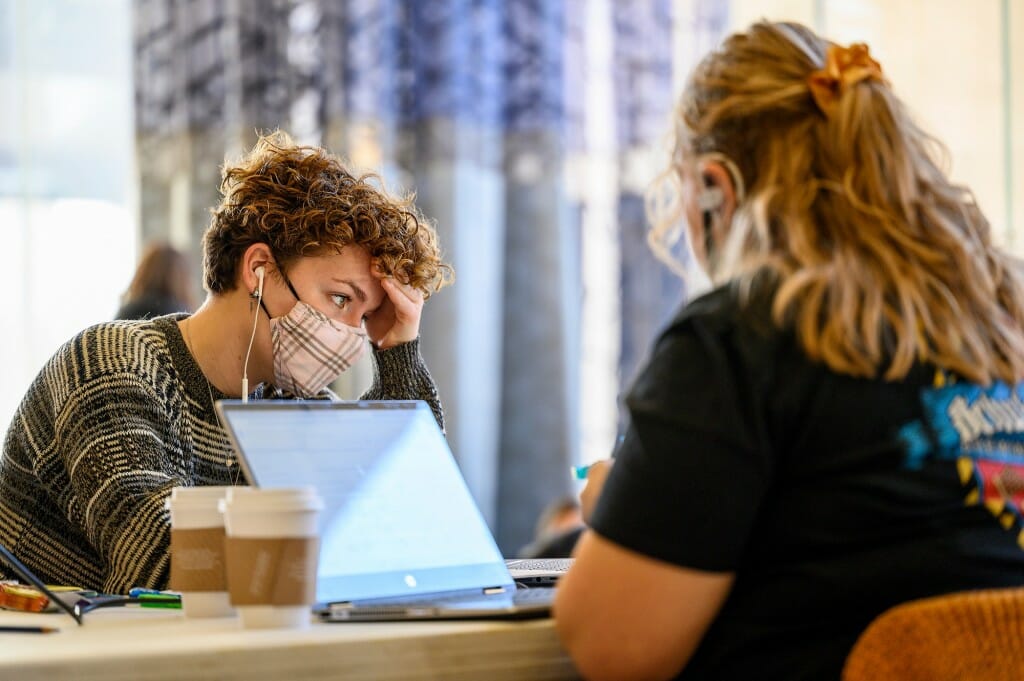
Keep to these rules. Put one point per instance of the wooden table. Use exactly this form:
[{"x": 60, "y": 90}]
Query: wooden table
[{"x": 117, "y": 644}]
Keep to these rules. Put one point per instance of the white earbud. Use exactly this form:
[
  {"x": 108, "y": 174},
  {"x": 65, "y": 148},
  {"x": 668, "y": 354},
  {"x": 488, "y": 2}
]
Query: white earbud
[
  {"x": 710, "y": 199},
  {"x": 260, "y": 273}
]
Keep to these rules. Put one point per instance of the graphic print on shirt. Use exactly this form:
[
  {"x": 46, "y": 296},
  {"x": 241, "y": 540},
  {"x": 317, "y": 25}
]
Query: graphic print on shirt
[{"x": 982, "y": 430}]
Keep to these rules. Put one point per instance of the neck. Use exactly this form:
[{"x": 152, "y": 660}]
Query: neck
[{"x": 218, "y": 337}]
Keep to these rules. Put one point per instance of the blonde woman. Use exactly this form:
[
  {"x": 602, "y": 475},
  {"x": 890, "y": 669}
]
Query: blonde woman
[{"x": 805, "y": 436}]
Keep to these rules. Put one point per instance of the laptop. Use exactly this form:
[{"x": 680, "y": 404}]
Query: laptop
[{"x": 400, "y": 534}]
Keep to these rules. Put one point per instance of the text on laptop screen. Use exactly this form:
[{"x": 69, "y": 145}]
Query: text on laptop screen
[{"x": 377, "y": 470}]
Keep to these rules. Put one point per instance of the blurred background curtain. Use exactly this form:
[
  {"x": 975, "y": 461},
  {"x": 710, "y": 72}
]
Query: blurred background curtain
[{"x": 523, "y": 127}]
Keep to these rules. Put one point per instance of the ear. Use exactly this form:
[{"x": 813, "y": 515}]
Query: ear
[
  {"x": 717, "y": 179},
  {"x": 255, "y": 257}
]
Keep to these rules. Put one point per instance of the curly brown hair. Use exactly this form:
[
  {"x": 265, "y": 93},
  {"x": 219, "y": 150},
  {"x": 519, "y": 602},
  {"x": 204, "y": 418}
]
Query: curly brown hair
[{"x": 303, "y": 201}]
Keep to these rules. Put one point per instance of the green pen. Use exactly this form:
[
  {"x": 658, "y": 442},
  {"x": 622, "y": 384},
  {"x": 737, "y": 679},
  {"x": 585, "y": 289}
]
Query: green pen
[{"x": 170, "y": 601}]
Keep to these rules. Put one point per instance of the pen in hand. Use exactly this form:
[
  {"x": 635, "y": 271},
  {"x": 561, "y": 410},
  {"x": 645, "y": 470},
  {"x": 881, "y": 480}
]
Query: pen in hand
[{"x": 580, "y": 472}]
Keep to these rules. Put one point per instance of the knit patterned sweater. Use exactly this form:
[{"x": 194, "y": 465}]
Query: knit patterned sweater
[{"x": 115, "y": 419}]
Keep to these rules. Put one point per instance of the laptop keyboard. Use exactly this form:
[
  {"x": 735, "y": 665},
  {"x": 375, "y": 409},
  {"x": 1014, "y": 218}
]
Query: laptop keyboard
[
  {"x": 556, "y": 564},
  {"x": 531, "y": 596}
]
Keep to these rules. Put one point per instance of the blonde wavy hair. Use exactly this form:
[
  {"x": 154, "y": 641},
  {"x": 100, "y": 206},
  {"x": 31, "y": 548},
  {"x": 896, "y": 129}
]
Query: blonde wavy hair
[{"x": 877, "y": 259}]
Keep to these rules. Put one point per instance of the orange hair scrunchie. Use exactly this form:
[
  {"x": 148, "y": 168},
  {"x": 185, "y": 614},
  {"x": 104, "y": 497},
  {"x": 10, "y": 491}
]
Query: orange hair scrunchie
[{"x": 844, "y": 68}]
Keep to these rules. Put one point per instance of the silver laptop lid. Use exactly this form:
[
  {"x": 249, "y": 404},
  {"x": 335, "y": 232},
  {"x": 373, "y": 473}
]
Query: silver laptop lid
[{"x": 398, "y": 519}]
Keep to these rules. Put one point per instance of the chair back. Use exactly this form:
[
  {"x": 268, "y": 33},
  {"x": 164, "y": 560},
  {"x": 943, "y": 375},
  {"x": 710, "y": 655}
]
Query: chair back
[{"x": 966, "y": 636}]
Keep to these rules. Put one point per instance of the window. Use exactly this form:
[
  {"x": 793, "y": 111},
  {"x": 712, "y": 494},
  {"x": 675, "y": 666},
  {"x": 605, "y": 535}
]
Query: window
[{"x": 66, "y": 193}]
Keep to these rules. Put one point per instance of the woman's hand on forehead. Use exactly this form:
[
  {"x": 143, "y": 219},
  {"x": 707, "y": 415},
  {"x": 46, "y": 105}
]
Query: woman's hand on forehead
[{"x": 397, "y": 320}]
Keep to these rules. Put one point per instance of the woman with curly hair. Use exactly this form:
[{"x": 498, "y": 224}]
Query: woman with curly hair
[
  {"x": 305, "y": 265},
  {"x": 836, "y": 427}
]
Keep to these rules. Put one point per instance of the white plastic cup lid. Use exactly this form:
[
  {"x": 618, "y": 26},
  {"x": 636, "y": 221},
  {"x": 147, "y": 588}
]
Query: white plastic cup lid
[
  {"x": 272, "y": 499},
  {"x": 202, "y": 497}
]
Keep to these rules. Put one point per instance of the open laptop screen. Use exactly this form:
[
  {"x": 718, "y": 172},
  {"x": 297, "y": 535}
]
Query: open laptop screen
[{"x": 398, "y": 519}]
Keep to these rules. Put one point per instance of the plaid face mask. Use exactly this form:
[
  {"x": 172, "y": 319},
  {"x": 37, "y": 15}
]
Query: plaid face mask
[{"x": 310, "y": 350}]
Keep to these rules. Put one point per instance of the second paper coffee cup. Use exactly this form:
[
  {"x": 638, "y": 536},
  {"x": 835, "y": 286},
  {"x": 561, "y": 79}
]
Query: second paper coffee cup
[{"x": 272, "y": 548}]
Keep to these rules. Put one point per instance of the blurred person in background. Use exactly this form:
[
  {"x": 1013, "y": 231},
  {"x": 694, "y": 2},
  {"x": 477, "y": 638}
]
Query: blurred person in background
[
  {"x": 557, "y": 530},
  {"x": 836, "y": 427},
  {"x": 162, "y": 285}
]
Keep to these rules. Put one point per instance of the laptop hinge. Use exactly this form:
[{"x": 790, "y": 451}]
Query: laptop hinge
[{"x": 491, "y": 590}]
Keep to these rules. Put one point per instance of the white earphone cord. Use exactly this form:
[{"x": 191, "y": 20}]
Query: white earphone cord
[{"x": 252, "y": 337}]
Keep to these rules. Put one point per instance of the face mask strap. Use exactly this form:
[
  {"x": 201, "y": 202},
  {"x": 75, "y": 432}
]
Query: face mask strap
[
  {"x": 708, "y": 219},
  {"x": 288, "y": 283},
  {"x": 291, "y": 288}
]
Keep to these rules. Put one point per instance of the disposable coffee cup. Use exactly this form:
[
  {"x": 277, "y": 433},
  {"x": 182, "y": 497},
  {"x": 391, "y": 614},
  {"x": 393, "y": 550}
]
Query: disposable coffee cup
[
  {"x": 272, "y": 548},
  {"x": 198, "y": 567}
]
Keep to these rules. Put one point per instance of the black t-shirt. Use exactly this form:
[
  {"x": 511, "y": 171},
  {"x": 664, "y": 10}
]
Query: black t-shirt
[{"x": 832, "y": 498}]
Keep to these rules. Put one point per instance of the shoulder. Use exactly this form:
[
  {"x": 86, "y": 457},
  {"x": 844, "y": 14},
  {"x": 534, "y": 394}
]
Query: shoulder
[
  {"x": 720, "y": 347},
  {"x": 149, "y": 306},
  {"x": 106, "y": 363},
  {"x": 728, "y": 315},
  {"x": 119, "y": 346}
]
